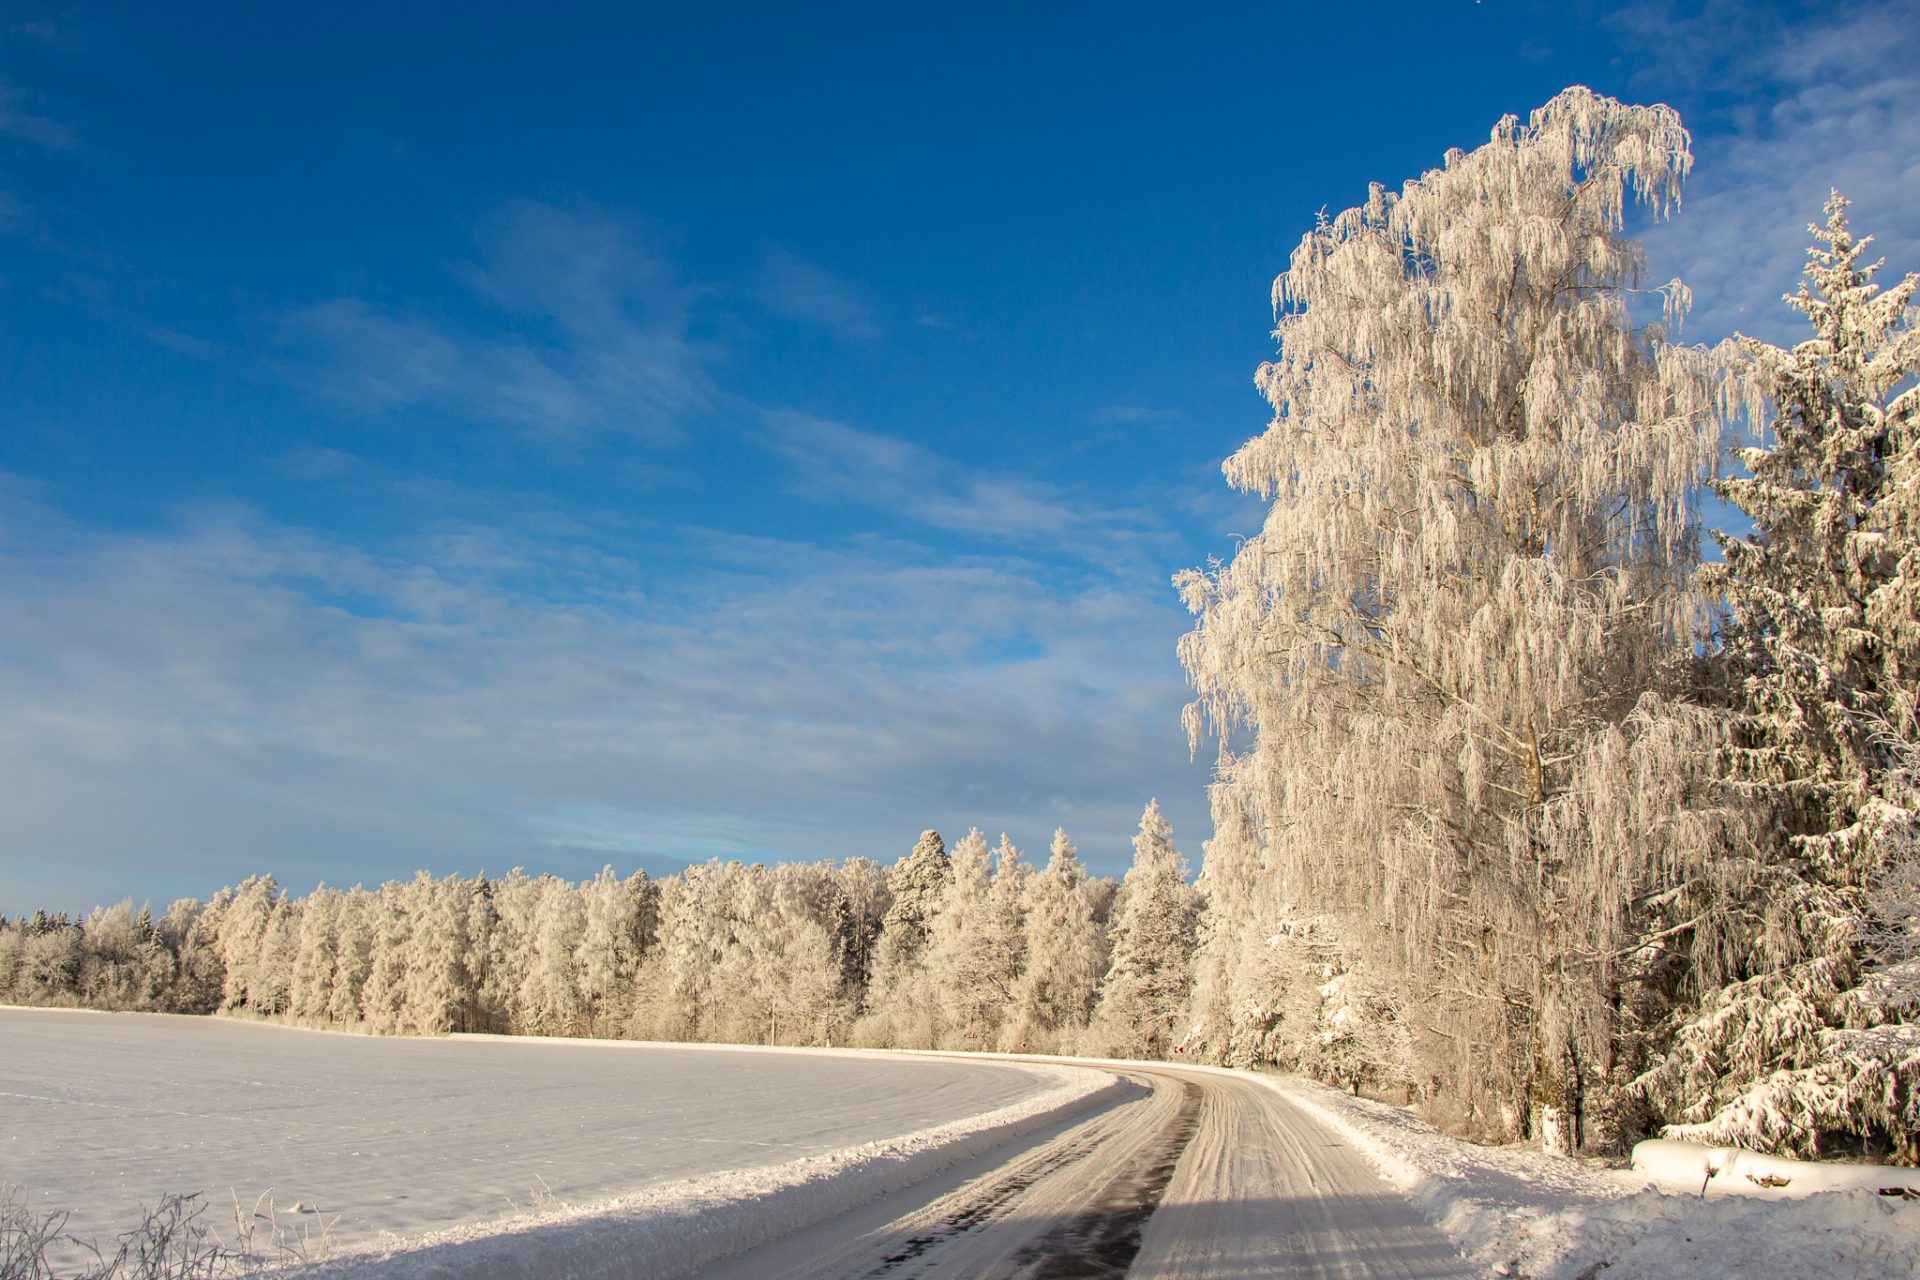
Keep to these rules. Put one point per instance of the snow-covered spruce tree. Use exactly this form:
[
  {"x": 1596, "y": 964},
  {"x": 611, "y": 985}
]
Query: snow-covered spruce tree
[
  {"x": 808, "y": 923},
  {"x": 976, "y": 949},
  {"x": 1449, "y": 643},
  {"x": 1805, "y": 1049},
  {"x": 123, "y": 963},
  {"x": 550, "y": 997},
  {"x": 1065, "y": 955},
  {"x": 484, "y": 959},
  {"x": 1232, "y": 1011},
  {"x": 438, "y": 986},
  {"x": 383, "y": 998},
  {"x": 1147, "y": 986},
  {"x": 900, "y": 996},
  {"x": 243, "y": 929},
  {"x": 315, "y": 958},
  {"x": 864, "y": 885},
  {"x": 192, "y": 932},
  {"x": 355, "y": 935},
  {"x": 270, "y": 987},
  {"x": 618, "y": 923}
]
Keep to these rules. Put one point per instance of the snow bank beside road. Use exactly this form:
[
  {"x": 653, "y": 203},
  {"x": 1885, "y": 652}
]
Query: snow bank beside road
[
  {"x": 1520, "y": 1212},
  {"x": 1732, "y": 1170},
  {"x": 671, "y": 1230}
]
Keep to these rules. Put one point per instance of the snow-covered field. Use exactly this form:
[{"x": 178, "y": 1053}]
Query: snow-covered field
[
  {"x": 1520, "y": 1212},
  {"x": 102, "y": 1113}
]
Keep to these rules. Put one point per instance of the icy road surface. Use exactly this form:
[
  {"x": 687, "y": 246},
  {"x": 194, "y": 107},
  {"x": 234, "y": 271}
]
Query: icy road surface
[
  {"x": 1199, "y": 1174},
  {"x": 101, "y": 1114}
]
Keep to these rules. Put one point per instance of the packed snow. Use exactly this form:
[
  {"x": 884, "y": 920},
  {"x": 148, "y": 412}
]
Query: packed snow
[
  {"x": 1521, "y": 1212},
  {"x": 579, "y": 1149},
  {"x": 1734, "y": 1171}
]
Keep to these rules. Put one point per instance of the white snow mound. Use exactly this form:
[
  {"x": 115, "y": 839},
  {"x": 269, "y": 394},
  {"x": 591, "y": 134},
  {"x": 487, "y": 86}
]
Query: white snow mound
[
  {"x": 1520, "y": 1212},
  {"x": 1735, "y": 1170}
]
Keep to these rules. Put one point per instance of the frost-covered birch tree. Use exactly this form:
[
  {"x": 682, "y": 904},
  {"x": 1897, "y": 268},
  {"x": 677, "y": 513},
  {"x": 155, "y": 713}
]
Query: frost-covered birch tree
[
  {"x": 1807, "y": 1046},
  {"x": 1447, "y": 648}
]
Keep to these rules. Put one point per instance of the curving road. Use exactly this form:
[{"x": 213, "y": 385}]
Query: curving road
[{"x": 1196, "y": 1174}]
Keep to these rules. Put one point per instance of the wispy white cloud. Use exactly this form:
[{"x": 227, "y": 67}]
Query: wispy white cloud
[
  {"x": 836, "y": 462},
  {"x": 1829, "y": 99},
  {"x": 185, "y": 344},
  {"x": 579, "y": 327},
  {"x": 232, "y": 695},
  {"x": 20, "y": 117},
  {"x": 1137, "y": 415},
  {"x": 801, "y": 290}
]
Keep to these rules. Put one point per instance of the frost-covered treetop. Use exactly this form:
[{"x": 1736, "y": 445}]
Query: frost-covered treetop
[
  {"x": 1533, "y": 218},
  {"x": 1459, "y": 394}
]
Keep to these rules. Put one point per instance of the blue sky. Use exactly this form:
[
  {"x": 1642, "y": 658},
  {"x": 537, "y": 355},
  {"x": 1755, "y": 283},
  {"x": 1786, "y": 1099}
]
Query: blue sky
[{"x": 722, "y": 431}]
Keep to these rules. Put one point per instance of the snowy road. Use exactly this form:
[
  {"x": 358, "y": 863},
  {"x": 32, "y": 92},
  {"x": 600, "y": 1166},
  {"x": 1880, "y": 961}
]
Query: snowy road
[{"x": 1197, "y": 1174}]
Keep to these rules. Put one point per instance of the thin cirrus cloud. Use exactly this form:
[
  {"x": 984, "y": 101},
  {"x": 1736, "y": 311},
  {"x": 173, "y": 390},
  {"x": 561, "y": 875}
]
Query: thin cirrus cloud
[
  {"x": 832, "y": 461},
  {"x": 359, "y": 712},
  {"x": 21, "y": 119},
  {"x": 1831, "y": 106},
  {"x": 793, "y": 287},
  {"x": 596, "y": 335}
]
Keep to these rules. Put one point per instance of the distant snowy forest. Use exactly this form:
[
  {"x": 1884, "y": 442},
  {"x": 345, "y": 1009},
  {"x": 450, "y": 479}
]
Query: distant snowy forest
[
  {"x": 1524, "y": 810},
  {"x": 972, "y": 948}
]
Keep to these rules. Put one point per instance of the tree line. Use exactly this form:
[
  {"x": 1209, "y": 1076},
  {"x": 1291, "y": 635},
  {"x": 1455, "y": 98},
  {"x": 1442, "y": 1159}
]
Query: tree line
[{"x": 969, "y": 948}]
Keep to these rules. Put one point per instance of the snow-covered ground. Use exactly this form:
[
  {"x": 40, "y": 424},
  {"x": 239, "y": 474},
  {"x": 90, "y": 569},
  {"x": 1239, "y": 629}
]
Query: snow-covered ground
[
  {"x": 391, "y": 1139},
  {"x": 1521, "y": 1212},
  {"x": 491, "y": 1158}
]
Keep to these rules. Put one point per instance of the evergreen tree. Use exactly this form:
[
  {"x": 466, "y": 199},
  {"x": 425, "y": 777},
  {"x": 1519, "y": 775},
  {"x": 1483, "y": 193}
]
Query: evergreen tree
[
  {"x": 978, "y": 949},
  {"x": 900, "y": 999},
  {"x": 353, "y": 955},
  {"x": 1147, "y": 987},
  {"x": 1066, "y": 953},
  {"x": 123, "y": 962},
  {"x": 675, "y": 998},
  {"x": 1802, "y": 1050},
  {"x": 614, "y": 937},
  {"x": 484, "y": 1012},
  {"x": 864, "y": 885},
  {"x": 438, "y": 984},
  {"x": 242, "y": 932},
  {"x": 270, "y": 990},
  {"x": 550, "y": 997},
  {"x": 383, "y": 999},
  {"x": 315, "y": 957}
]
